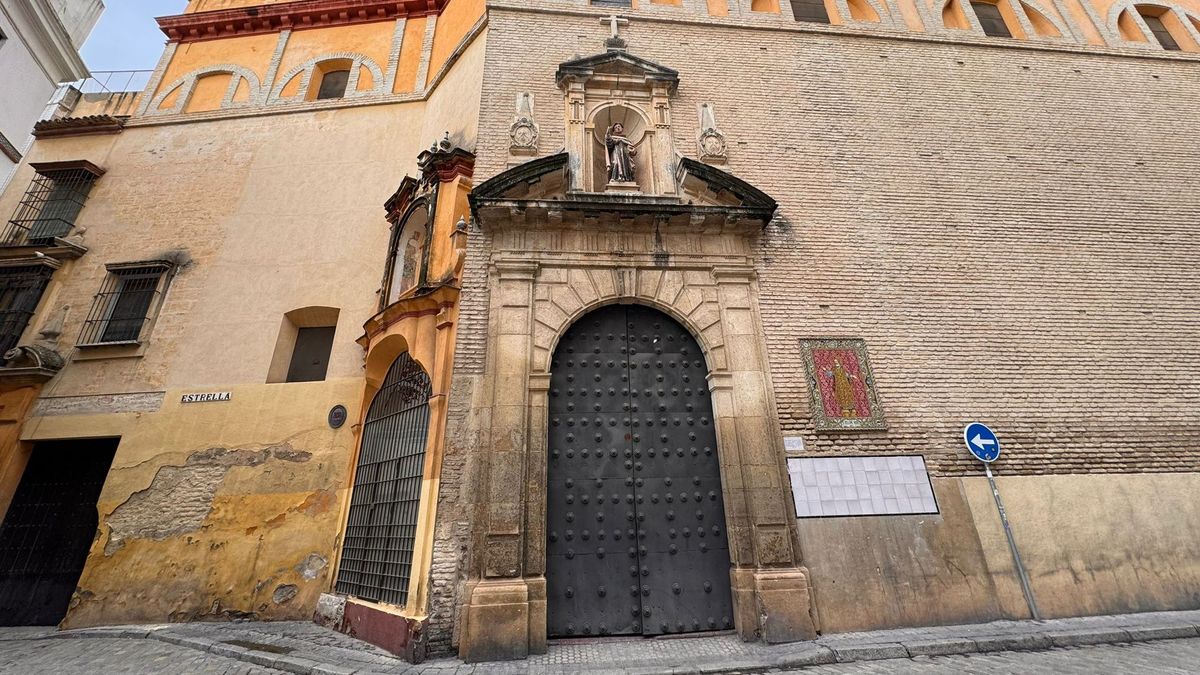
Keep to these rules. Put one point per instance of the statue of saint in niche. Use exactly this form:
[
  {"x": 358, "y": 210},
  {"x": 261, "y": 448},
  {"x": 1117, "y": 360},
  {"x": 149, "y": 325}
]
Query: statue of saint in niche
[{"x": 620, "y": 154}]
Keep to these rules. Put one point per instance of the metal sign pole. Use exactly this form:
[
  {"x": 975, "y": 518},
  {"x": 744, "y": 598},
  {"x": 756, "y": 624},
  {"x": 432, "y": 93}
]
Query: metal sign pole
[{"x": 1012, "y": 546}]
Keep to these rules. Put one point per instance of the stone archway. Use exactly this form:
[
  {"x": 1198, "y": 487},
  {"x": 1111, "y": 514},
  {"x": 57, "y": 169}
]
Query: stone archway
[
  {"x": 636, "y": 533},
  {"x": 557, "y": 255}
]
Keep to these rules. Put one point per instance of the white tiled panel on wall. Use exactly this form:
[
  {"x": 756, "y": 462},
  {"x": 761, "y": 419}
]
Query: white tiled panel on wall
[{"x": 860, "y": 486}]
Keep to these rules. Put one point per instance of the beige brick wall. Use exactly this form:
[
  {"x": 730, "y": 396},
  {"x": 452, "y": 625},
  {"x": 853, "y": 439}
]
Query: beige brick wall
[{"x": 1013, "y": 232}]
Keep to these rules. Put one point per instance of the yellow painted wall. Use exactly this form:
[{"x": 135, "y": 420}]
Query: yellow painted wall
[
  {"x": 1096, "y": 543},
  {"x": 216, "y": 510},
  {"x": 373, "y": 40},
  {"x": 212, "y": 5},
  {"x": 208, "y": 93},
  {"x": 1093, "y": 544},
  {"x": 268, "y": 215},
  {"x": 252, "y": 52},
  {"x": 452, "y": 25},
  {"x": 410, "y": 56},
  {"x": 14, "y": 406}
]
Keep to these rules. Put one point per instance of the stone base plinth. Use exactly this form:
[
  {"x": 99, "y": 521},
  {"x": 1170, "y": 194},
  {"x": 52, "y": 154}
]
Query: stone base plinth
[
  {"x": 505, "y": 619},
  {"x": 773, "y": 605},
  {"x": 626, "y": 187}
]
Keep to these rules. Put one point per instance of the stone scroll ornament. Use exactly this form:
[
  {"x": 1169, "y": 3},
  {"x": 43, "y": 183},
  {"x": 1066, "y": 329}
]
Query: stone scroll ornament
[
  {"x": 524, "y": 130},
  {"x": 713, "y": 148},
  {"x": 620, "y": 154},
  {"x": 841, "y": 384}
]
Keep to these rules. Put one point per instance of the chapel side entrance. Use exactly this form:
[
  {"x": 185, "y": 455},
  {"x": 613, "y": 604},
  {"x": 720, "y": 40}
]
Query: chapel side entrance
[
  {"x": 48, "y": 529},
  {"x": 636, "y": 540}
]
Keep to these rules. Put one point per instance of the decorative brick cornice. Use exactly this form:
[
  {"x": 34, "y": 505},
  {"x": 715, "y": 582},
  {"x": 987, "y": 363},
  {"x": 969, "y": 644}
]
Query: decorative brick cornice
[
  {"x": 447, "y": 165},
  {"x": 290, "y": 15}
]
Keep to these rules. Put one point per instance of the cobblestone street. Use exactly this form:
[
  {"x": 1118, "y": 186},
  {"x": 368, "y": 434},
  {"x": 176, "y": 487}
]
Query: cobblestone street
[
  {"x": 1164, "y": 656},
  {"x": 102, "y": 656},
  {"x": 34, "y": 652}
]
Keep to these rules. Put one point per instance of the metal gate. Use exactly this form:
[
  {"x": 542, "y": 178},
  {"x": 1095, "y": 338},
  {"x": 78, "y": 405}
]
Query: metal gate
[
  {"x": 48, "y": 529},
  {"x": 636, "y": 523},
  {"x": 377, "y": 550}
]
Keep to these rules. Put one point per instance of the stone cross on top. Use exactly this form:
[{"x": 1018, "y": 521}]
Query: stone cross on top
[{"x": 614, "y": 40}]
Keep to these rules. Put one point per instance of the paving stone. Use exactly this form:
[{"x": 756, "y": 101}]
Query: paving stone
[
  {"x": 941, "y": 646},
  {"x": 795, "y": 658},
  {"x": 332, "y": 669},
  {"x": 1091, "y": 636},
  {"x": 1161, "y": 633},
  {"x": 205, "y": 648},
  {"x": 870, "y": 652},
  {"x": 1012, "y": 643}
]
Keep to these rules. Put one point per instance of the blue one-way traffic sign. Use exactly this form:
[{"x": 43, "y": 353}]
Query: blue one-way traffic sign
[{"x": 981, "y": 442}]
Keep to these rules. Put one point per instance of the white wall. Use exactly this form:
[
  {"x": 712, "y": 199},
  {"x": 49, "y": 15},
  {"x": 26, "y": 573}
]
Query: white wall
[
  {"x": 34, "y": 57},
  {"x": 27, "y": 88},
  {"x": 78, "y": 17}
]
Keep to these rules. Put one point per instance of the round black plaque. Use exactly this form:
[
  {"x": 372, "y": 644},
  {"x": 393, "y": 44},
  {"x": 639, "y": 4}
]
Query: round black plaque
[{"x": 337, "y": 416}]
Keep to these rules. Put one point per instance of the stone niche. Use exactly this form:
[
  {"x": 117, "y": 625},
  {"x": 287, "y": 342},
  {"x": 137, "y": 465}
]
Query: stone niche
[{"x": 619, "y": 88}]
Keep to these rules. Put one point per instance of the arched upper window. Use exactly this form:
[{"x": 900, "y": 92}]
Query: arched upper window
[
  {"x": 330, "y": 79},
  {"x": 991, "y": 19},
  {"x": 406, "y": 260},
  {"x": 1156, "y": 19},
  {"x": 333, "y": 84}
]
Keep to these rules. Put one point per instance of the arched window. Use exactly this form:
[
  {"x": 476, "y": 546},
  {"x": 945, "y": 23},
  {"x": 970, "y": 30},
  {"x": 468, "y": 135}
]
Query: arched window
[
  {"x": 329, "y": 80},
  {"x": 991, "y": 19},
  {"x": 381, "y": 528},
  {"x": 406, "y": 261},
  {"x": 333, "y": 84},
  {"x": 1156, "y": 19}
]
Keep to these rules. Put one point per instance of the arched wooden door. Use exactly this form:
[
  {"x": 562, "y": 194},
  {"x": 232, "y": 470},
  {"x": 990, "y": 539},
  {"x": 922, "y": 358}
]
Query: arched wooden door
[
  {"x": 377, "y": 549},
  {"x": 636, "y": 522}
]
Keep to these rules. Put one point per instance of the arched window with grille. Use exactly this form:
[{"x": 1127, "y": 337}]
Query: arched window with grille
[{"x": 377, "y": 547}]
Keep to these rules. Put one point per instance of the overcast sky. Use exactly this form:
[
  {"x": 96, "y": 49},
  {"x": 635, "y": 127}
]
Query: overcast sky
[{"x": 127, "y": 38}]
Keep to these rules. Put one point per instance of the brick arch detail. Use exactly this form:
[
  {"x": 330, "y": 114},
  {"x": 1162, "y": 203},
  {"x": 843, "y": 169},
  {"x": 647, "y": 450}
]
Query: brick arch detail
[
  {"x": 932, "y": 14},
  {"x": 306, "y": 69},
  {"x": 187, "y": 84},
  {"x": 1114, "y": 15}
]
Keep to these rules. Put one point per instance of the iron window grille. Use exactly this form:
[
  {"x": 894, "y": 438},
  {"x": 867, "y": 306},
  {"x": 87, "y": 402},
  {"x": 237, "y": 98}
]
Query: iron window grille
[
  {"x": 377, "y": 551},
  {"x": 51, "y": 204},
  {"x": 21, "y": 290},
  {"x": 127, "y": 301}
]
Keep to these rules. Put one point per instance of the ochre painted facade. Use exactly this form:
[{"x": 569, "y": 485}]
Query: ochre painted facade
[{"x": 231, "y": 509}]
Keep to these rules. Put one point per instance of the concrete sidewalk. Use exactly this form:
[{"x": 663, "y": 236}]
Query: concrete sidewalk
[{"x": 301, "y": 647}]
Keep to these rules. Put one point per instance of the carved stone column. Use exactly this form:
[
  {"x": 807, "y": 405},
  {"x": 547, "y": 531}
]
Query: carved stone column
[
  {"x": 497, "y": 618},
  {"x": 770, "y": 589},
  {"x": 578, "y": 140}
]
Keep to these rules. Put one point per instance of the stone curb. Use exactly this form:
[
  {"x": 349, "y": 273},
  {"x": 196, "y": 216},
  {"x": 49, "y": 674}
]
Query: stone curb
[{"x": 804, "y": 654}]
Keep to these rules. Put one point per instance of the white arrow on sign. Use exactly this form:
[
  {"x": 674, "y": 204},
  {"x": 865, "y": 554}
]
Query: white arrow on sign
[{"x": 979, "y": 441}]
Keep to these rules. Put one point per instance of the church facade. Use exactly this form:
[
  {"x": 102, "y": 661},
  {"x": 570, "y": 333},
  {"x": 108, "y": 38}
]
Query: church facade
[{"x": 630, "y": 319}]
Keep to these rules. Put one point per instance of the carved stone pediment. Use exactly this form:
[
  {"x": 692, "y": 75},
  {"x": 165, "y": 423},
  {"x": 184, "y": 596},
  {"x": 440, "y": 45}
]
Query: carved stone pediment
[
  {"x": 617, "y": 62},
  {"x": 536, "y": 195}
]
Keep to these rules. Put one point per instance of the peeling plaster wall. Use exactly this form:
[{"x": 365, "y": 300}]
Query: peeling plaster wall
[{"x": 200, "y": 520}]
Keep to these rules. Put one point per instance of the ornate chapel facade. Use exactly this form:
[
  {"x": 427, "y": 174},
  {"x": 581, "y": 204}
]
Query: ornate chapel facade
[{"x": 463, "y": 326}]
